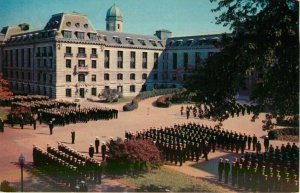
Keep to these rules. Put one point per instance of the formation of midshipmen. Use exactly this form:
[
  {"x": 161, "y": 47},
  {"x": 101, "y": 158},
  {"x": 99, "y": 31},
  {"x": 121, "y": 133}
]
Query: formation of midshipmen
[
  {"x": 272, "y": 171},
  {"x": 63, "y": 116},
  {"x": 194, "y": 140},
  {"x": 68, "y": 165}
]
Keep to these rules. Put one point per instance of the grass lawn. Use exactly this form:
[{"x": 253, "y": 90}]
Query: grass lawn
[
  {"x": 3, "y": 112},
  {"x": 123, "y": 100},
  {"x": 173, "y": 181}
]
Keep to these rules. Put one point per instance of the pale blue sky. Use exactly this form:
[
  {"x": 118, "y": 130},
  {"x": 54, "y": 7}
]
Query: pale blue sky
[{"x": 182, "y": 17}]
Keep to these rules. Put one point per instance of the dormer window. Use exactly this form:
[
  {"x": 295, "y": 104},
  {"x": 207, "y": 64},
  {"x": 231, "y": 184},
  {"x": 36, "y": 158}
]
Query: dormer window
[
  {"x": 171, "y": 43},
  {"x": 202, "y": 41},
  {"x": 117, "y": 39},
  {"x": 67, "y": 34},
  {"x": 130, "y": 41},
  {"x": 160, "y": 43},
  {"x": 153, "y": 43},
  {"x": 80, "y": 35},
  {"x": 86, "y": 26},
  {"x": 68, "y": 24},
  {"x": 142, "y": 41},
  {"x": 189, "y": 42},
  {"x": 77, "y": 25},
  {"x": 178, "y": 42},
  {"x": 93, "y": 36}
]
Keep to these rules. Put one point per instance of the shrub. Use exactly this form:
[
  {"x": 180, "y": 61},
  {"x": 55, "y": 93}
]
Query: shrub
[
  {"x": 131, "y": 106},
  {"x": 275, "y": 134},
  {"x": 111, "y": 95},
  {"x": 5, "y": 187},
  {"x": 132, "y": 156},
  {"x": 148, "y": 94},
  {"x": 164, "y": 101}
]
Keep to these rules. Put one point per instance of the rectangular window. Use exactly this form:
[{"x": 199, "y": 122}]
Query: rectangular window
[
  {"x": 94, "y": 64},
  {"x": 120, "y": 59},
  {"x": 44, "y": 54},
  {"x": 174, "y": 60},
  {"x": 11, "y": 57},
  {"x": 132, "y": 59},
  {"x": 45, "y": 62},
  {"x": 132, "y": 88},
  {"x": 50, "y": 79},
  {"x": 28, "y": 75},
  {"x": 197, "y": 59},
  {"x": 6, "y": 58},
  {"x": 17, "y": 75},
  {"x": 67, "y": 34},
  {"x": 28, "y": 57},
  {"x": 81, "y": 63},
  {"x": 23, "y": 57},
  {"x": 155, "y": 66},
  {"x": 51, "y": 62},
  {"x": 144, "y": 76},
  {"x": 17, "y": 57},
  {"x": 68, "y": 63},
  {"x": 80, "y": 35},
  {"x": 106, "y": 59},
  {"x": 81, "y": 50},
  {"x": 94, "y": 51},
  {"x": 94, "y": 91},
  {"x": 68, "y": 92},
  {"x": 50, "y": 52},
  {"x": 68, "y": 50},
  {"x": 185, "y": 60},
  {"x": 81, "y": 77},
  {"x": 68, "y": 78},
  {"x": 132, "y": 76},
  {"x": 93, "y": 77},
  {"x": 22, "y": 75},
  {"x": 155, "y": 76},
  {"x": 144, "y": 62}
]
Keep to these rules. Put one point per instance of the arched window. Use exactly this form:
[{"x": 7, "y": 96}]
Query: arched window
[
  {"x": 120, "y": 76},
  {"x": 132, "y": 76}
]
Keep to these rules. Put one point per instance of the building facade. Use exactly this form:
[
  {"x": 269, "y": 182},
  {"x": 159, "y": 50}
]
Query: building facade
[{"x": 69, "y": 59}]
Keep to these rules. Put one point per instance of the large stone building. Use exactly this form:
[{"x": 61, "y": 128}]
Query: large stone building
[{"x": 70, "y": 59}]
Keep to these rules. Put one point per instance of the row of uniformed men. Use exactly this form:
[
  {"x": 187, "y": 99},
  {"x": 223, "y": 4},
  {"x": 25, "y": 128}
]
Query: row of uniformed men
[
  {"x": 257, "y": 177},
  {"x": 67, "y": 169},
  {"x": 62, "y": 116}
]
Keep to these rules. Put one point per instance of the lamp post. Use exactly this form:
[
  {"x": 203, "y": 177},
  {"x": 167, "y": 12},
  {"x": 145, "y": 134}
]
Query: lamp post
[{"x": 21, "y": 162}]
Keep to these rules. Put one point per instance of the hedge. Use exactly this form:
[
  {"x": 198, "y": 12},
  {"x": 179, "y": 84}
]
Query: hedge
[
  {"x": 274, "y": 134},
  {"x": 164, "y": 101},
  {"x": 148, "y": 94}
]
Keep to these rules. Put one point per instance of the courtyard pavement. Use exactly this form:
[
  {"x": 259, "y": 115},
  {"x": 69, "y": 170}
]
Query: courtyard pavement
[{"x": 15, "y": 141}]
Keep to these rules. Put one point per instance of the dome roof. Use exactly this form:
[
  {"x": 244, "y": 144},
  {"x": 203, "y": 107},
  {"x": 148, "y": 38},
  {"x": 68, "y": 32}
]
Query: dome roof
[{"x": 113, "y": 11}]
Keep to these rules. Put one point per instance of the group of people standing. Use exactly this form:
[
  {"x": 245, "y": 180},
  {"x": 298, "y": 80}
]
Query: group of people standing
[
  {"x": 97, "y": 145},
  {"x": 264, "y": 172},
  {"x": 209, "y": 110}
]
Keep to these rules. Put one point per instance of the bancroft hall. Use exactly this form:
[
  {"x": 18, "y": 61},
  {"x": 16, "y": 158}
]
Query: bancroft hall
[{"x": 69, "y": 59}]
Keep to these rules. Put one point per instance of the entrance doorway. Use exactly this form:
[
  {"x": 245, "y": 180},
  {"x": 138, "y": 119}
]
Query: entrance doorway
[{"x": 81, "y": 92}]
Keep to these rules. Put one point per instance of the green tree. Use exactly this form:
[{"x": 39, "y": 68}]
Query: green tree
[{"x": 265, "y": 41}]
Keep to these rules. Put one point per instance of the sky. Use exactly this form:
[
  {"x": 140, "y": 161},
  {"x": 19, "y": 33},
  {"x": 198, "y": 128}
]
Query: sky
[{"x": 182, "y": 17}]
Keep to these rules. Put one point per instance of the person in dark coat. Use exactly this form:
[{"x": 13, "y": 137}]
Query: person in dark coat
[
  {"x": 254, "y": 141},
  {"x": 51, "y": 127},
  {"x": 266, "y": 143},
  {"x": 249, "y": 140},
  {"x": 258, "y": 147},
  {"x": 1, "y": 125},
  {"x": 103, "y": 151},
  {"x": 227, "y": 170},
  {"x": 97, "y": 144},
  {"x": 73, "y": 136},
  {"x": 221, "y": 167},
  {"x": 91, "y": 151}
]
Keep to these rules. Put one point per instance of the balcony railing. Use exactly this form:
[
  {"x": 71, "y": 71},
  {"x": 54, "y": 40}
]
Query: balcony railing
[
  {"x": 81, "y": 55},
  {"x": 94, "y": 56},
  {"x": 68, "y": 55},
  {"x": 82, "y": 68}
]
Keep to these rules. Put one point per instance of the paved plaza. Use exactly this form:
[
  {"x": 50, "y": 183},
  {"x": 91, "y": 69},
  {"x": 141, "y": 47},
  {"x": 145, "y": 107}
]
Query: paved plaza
[{"x": 15, "y": 141}]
